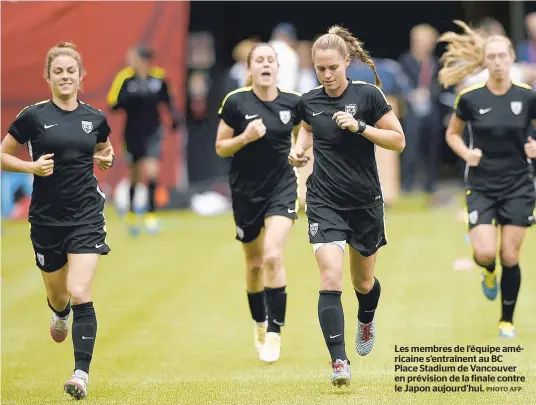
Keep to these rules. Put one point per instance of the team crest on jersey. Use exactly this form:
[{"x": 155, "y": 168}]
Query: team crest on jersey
[
  {"x": 313, "y": 228},
  {"x": 516, "y": 107},
  {"x": 473, "y": 217},
  {"x": 40, "y": 258},
  {"x": 285, "y": 116},
  {"x": 87, "y": 126},
  {"x": 350, "y": 109}
]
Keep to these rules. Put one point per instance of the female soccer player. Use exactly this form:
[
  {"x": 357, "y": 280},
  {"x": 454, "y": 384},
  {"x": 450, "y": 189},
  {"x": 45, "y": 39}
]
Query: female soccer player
[
  {"x": 139, "y": 89},
  {"x": 344, "y": 121},
  {"x": 498, "y": 180},
  {"x": 255, "y": 129},
  {"x": 64, "y": 137}
]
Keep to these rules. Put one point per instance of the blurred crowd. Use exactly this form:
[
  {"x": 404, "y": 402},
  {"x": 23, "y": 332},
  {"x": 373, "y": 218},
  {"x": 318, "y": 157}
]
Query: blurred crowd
[{"x": 410, "y": 84}]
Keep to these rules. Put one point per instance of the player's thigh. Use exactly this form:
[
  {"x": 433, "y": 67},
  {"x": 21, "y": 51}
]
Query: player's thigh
[
  {"x": 82, "y": 268},
  {"x": 49, "y": 247},
  {"x": 55, "y": 282},
  {"x": 276, "y": 231},
  {"x": 280, "y": 216},
  {"x": 368, "y": 232},
  {"x": 512, "y": 237},
  {"x": 362, "y": 270}
]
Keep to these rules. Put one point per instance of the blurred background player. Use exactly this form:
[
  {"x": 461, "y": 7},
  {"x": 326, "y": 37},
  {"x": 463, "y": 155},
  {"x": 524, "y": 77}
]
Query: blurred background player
[
  {"x": 138, "y": 90},
  {"x": 68, "y": 231},
  {"x": 255, "y": 129},
  {"x": 344, "y": 197},
  {"x": 498, "y": 179}
]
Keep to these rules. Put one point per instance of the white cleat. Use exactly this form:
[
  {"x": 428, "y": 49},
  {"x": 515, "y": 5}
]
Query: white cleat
[
  {"x": 271, "y": 350},
  {"x": 59, "y": 328},
  {"x": 365, "y": 337},
  {"x": 76, "y": 387},
  {"x": 259, "y": 334},
  {"x": 341, "y": 373}
]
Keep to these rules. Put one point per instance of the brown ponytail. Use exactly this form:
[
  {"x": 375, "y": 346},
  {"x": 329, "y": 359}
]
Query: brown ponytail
[{"x": 342, "y": 40}]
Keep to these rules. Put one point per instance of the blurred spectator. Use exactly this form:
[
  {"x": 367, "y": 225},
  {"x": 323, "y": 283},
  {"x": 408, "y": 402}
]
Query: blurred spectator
[
  {"x": 307, "y": 79},
  {"x": 206, "y": 87},
  {"x": 238, "y": 71},
  {"x": 526, "y": 51},
  {"x": 284, "y": 41},
  {"x": 422, "y": 124}
]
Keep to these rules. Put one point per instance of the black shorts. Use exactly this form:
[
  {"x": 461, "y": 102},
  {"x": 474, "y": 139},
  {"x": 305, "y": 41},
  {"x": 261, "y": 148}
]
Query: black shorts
[
  {"x": 52, "y": 243},
  {"x": 144, "y": 146},
  {"x": 511, "y": 209},
  {"x": 249, "y": 217},
  {"x": 363, "y": 229}
]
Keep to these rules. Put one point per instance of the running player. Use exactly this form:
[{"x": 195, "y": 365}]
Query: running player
[
  {"x": 64, "y": 137},
  {"x": 344, "y": 121},
  {"x": 255, "y": 129},
  {"x": 139, "y": 89},
  {"x": 498, "y": 179}
]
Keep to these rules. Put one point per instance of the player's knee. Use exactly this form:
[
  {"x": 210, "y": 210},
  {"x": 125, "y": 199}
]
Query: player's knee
[
  {"x": 59, "y": 300},
  {"x": 484, "y": 255},
  {"x": 80, "y": 294},
  {"x": 254, "y": 264},
  {"x": 331, "y": 279},
  {"x": 363, "y": 285},
  {"x": 272, "y": 260},
  {"x": 509, "y": 257}
]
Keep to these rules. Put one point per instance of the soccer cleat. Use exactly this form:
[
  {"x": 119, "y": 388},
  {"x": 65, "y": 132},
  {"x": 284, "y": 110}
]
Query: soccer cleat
[
  {"x": 132, "y": 221},
  {"x": 271, "y": 349},
  {"x": 341, "y": 373},
  {"x": 151, "y": 223},
  {"x": 507, "y": 330},
  {"x": 59, "y": 328},
  {"x": 489, "y": 284},
  {"x": 259, "y": 334},
  {"x": 76, "y": 387},
  {"x": 365, "y": 337}
]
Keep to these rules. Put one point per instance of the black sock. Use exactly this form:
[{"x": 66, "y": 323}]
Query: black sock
[
  {"x": 331, "y": 317},
  {"x": 489, "y": 267},
  {"x": 368, "y": 302},
  {"x": 63, "y": 313},
  {"x": 276, "y": 303},
  {"x": 84, "y": 334},
  {"x": 132, "y": 194},
  {"x": 257, "y": 306},
  {"x": 510, "y": 282},
  {"x": 152, "y": 190}
]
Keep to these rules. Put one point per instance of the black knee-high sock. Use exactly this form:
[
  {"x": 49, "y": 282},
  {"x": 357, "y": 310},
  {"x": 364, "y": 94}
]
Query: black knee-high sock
[
  {"x": 331, "y": 317},
  {"x": 276, "y": 303},
  {"x": 257, "y": 306},
  {"x": 63, "y": 313},
  {"x": 510, "y": 282},
  {"x": 132, "y": 193},
  {"x": 368, "y": 302},
  {"x": 84, "y": 334},
  {"x": 152, "y": 190},
  {"x": 489, "y": 267}
]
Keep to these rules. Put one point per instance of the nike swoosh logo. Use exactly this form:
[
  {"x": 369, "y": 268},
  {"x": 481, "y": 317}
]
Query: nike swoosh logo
[
  {"x": 371, "y": 311},
  {"x": 87, "y": 337},
  {"x": 97, "y": 246},
  {"x": 277, "y": 322},
  {"x": 248, "y": 117},
  {"x": 318, "y": 113},
  {"x": 509, "y": 302},
  {"x": 333, "y": 337},
  {"x": 484, "y": 110},
  {"x": 291, "y": 211},
  {"x": 49, "y": 126}
]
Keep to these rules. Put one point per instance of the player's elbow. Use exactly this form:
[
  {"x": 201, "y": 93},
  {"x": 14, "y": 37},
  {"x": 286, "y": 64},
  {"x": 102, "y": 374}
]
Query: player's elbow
[
  {"x": 399, "y": 142},
  {"x": 221, "y": 151}
]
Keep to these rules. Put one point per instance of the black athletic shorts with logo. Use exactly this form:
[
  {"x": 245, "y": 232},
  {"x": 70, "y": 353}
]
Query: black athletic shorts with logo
[
  {"x": 249, "y": 216},
  {"x": 143, "y": 146},
  {"x": 509, "y": 209},
  {"x": 363, "y": 229},
  {"x": 52, "y": 243}
]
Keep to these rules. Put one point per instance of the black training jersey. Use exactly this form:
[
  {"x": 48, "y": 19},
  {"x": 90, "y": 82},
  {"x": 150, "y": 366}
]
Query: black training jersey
[
  {"x": 71, "y": 195},
  {"x": 140, "y": 99},
  {"x": 260, "y": 166},
  {"x": 498, "y": 125},
  {"x": 345, "y": 174}
]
